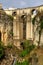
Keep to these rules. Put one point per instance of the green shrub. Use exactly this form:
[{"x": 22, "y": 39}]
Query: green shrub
[
  {"x": 23, "y": 53},
  {"x": 1, "y": 53},
  {"x": 28, "y": 47},
  {"x": 31, "y": 47},
  {"x": 11, "y": 33},
  {"x": 1, "y": 50},
  {"x": 1, "y": 45},
  {"x": 22, "y": 63},
  {"x": 26, "y": 43},
  {"x": 27, "y": 50}
]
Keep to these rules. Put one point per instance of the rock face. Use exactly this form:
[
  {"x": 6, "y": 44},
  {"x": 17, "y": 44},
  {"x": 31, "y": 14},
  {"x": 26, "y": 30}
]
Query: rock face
[
  {"x": 11, "y": 55},
  {"x": 37, "y": 56},
  {"x": 5, "y": 27},
  {"x": 8, "y": 59}
]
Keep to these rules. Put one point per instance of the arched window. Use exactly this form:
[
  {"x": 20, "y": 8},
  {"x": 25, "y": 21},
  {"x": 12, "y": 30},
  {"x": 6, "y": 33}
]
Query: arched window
[
  {"x": 0, "y": 36},
  {"x": 34, "y": 11},
  {"x": 14, "y": 13},
  {"x": 23, "y": 17}
]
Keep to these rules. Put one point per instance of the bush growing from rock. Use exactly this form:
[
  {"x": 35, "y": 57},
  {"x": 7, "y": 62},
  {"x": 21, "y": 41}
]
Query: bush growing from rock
[
  {"x": 1, "y": 53},
  {"x": 28, "y": 47},
  {"x": 22, "y": 63},
  {"x": 23, "y": 53},
  {"x": 1, "y": 50}
]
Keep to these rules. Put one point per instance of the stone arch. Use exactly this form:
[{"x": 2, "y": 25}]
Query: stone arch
[
  {"x": 23, "y": 17},
  {"x": 34, "y": 11},
  {"x": 14, "y": 13}
]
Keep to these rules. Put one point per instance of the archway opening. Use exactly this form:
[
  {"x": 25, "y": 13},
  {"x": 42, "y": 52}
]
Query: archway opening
[{"x": 24, "y": 19}]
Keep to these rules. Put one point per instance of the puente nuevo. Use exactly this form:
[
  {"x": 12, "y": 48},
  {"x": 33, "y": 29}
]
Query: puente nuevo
[{"x": 20, "y": 28}]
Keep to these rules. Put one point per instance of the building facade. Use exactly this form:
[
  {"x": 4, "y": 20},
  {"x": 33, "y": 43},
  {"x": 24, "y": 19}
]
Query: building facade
[{"x": 21, "y": 27}]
